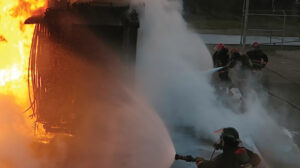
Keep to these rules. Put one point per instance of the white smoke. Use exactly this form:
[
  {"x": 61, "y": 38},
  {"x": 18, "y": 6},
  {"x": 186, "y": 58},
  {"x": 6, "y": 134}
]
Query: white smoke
[{"x": 171, "y": 60}]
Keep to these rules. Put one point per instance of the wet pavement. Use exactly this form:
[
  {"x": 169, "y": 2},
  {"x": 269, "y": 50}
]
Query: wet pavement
[{"x": 282, "y": 80}]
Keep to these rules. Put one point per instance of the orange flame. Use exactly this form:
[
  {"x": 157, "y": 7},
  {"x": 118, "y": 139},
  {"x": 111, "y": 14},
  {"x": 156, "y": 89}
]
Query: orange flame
[
  {"x": 15, "y": 41},
  {"x": 15, "y": 44}
]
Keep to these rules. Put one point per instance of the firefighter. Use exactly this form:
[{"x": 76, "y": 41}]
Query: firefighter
[
  {"x": 237, "y": 59},
  {"x": 258, "y": 58},
  {"x": 233, "y": 155},
  {"x": 241, "y": 69},
  {"x": 221, "y": 59},
  {"x": 221, "y": 56}
]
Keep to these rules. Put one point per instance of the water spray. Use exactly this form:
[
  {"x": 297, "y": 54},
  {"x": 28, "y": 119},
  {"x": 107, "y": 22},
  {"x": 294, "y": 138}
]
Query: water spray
[{"x": 211, "y": 71}]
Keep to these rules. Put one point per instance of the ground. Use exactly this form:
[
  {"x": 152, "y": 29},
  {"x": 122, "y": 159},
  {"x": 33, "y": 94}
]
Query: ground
[{"x": 282, "y": 80}]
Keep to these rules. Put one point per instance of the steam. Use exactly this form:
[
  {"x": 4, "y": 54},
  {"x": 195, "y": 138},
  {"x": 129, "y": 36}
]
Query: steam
[
  {"x": 171, "y": 60},
  {"x": 118, "y": 128}
]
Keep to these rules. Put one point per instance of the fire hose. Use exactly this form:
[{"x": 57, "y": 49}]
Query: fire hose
[{"x": 188, "y": 158}]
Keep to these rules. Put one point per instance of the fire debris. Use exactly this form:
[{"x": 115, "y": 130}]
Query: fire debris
[
  {"x": 27, "y": 8},
  {"x": 2, "y": 39},
  {"x": 24, "y": 8}
]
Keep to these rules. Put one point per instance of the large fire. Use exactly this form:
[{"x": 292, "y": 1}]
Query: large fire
[{"x": 15, "y": 41}]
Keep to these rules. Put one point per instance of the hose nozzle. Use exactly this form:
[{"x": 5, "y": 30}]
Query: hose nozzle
[{"x": 187, "y": 158}]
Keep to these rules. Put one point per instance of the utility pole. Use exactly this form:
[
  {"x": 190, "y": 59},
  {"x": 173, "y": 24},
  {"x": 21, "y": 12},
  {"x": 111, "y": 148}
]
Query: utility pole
[{"x": 246, "y": 12}]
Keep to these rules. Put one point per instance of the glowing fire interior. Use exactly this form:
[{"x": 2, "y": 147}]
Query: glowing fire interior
[{"x": 15, "y": 41}]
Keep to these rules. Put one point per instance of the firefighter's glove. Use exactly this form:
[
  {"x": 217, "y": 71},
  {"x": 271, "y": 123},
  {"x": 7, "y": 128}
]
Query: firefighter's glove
[
  {"x": 218, "y": 146},
  {"x": 199, "y": 161}
]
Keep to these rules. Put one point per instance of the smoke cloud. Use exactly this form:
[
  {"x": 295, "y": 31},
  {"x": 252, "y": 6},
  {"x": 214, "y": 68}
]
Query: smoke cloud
[
  {"x": 117, "y": 127},
  {"x": 15, "y": 137},
  {"x": 171, "y": 60}
]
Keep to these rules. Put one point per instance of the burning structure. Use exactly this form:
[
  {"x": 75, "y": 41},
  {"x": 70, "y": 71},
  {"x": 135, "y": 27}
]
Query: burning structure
[{"x": 74, "y": 26}]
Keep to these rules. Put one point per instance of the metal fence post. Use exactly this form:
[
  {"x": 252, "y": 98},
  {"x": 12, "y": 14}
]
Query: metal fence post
[
  {"x": 245, "y": 23},
  {"x": 284, "y": 26}
]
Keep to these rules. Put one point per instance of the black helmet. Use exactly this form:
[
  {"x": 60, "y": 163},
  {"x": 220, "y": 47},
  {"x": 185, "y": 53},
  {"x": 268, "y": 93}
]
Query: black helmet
[
  {"x": 230, "y": 133},
  {"x": 255, "y": 44},
  {"x": 230, "y": 136}
]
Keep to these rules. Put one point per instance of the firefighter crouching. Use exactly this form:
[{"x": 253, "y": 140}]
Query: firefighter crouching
[
  {"x": 258, "y": 58},
  {"x": 233, "y": 155}
]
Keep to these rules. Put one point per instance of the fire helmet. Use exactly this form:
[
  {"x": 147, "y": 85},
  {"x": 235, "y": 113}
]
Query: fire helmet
[
  {"x": 229, "y": 137},
  {"x": 234, "y": 50},
  {"x": 230, "y": 133},
  {"x": 220, "y": 46},
  {"x": 255, "y": 44}
]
